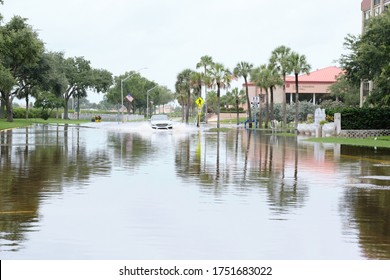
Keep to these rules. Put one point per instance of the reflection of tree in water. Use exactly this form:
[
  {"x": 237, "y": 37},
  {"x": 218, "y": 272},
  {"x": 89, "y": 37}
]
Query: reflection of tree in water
[
  {"x": 244, "y": 160},
  {"x": 131, "y": 150},
  {"x": 275, "y": 164},
  {"x": 34, "y": 163},
  {"x": 368, "y": 211},
  {"x": 366, "y": 201}
]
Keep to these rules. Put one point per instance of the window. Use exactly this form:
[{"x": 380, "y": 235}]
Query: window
[
  {"x": 377, "y": 11},
  {"x": 376, "y": 2},
  {"x": 367, "y": 15}
]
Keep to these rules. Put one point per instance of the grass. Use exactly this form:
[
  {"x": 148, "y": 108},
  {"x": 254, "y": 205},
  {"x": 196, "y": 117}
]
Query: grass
[
  {"x": 222, "y": 129},
  {"x": 25, "y": 123},
  {"x": 383, "y": 141}
]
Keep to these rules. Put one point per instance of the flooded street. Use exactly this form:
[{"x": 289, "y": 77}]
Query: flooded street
[{"x": 125, "y": 191}]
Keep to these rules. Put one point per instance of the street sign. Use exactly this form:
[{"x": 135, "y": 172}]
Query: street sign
[
  {"x": 255, "y": 102},
  {"x": 199, "y": 102}
]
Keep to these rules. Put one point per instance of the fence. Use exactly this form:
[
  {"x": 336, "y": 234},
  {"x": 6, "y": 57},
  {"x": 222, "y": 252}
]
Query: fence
[{"x": 106, "y": 117}]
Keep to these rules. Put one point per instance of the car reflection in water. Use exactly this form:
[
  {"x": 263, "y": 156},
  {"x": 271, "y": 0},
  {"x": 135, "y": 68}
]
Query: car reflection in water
[{"x": 160, "y": 122}]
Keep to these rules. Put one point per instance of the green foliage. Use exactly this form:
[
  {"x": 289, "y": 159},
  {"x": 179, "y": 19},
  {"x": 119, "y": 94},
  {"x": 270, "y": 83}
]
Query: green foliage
[
  {"x": 305, "y": 108},
  {"x": 34, "y": 113},
  {"x": 345, "y": 91},
  {"x": 363, "y": 118},
  {"x": 244, "y": 69},
  {"x": 20, "y": 53},
  {"x": 369, "y": 58}
]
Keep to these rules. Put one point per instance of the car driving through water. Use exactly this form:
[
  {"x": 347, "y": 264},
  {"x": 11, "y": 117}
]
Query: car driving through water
[{"x": 160, "y": 122}]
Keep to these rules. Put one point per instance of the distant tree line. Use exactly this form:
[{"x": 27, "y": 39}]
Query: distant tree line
[{"x": 28, "y": 70}]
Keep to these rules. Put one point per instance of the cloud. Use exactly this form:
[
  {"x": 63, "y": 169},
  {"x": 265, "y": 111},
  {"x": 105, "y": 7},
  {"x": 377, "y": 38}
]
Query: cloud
[{"x": 171, "y": 35}]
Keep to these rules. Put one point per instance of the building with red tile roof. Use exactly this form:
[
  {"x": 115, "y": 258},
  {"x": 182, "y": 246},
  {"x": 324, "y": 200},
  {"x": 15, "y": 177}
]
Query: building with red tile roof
[{"x": 313, "y": 87}]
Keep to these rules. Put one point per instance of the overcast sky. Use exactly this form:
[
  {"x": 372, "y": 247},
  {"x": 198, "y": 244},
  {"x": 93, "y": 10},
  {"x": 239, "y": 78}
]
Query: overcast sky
[{"x": 167, "y": 36}]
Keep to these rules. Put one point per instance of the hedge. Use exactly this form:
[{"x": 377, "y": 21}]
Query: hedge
[
  {"x": 362, "y": 118},
  {"x": 33, "y": 113}
]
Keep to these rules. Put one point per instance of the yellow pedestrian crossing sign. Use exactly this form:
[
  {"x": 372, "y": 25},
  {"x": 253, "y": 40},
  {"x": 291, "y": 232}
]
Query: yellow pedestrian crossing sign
[{"x": 199, "y": 102}]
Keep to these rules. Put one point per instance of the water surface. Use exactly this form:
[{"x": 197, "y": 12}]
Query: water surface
[{"x": 123, "y": 191}]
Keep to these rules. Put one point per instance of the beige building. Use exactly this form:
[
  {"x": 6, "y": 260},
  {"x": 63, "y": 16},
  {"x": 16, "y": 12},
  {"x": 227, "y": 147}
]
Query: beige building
[{"x": 372, "y": 8}]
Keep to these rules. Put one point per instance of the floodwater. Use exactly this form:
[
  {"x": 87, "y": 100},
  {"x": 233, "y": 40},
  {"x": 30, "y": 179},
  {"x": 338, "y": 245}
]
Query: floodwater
[{"x": 124, "y": 191}]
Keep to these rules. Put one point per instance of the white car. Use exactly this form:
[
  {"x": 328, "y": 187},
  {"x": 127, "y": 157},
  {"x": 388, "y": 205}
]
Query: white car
[{"x": 160, "y": 122}]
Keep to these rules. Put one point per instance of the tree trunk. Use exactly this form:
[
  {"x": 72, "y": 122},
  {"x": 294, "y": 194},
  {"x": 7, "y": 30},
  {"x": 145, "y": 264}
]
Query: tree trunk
[
  {"x": 272, "y": 103},
  {"x": 218, "y": 104},
  {"x": 66, "y": 117},
  {"x": 284, "y": 102},
  {"x": 296, "y": 100},
  {"x": 27, "y": 107},
  {"x": 188, "y": 107},
  {"x": 266, "y": 109},
  {"x": 9, "y": 110},
  {"x": 238, "y": 114},
  {"x": 2, "y": 107},
  {"x": 248, "y": 103}
]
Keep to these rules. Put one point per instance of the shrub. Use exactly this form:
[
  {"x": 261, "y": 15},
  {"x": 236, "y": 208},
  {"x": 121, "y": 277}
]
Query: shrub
[{"x": 363, "y": 118}]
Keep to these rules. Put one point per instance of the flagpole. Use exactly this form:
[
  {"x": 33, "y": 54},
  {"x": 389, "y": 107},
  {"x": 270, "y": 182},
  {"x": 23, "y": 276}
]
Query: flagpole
[
  {"x": 123, "y": 117},
  {"x": 147, "y": 101}
]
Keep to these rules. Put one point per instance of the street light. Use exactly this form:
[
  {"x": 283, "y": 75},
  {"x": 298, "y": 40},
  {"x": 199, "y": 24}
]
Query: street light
[
  {"x": 147, "y": 101},
  {"x": 128, "y": 77}
]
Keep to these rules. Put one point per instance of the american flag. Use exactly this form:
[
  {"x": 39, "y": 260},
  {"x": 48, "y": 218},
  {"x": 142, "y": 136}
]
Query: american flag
[{"x": 129, "y": 97}]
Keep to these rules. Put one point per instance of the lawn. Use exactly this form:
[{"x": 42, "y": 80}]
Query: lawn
[
  {"x": 24, "y": 123},
  {"x": 383, "y": 141}
]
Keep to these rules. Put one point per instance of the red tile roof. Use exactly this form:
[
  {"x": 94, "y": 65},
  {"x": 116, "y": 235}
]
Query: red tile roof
[{"x": 324, "y": 75}]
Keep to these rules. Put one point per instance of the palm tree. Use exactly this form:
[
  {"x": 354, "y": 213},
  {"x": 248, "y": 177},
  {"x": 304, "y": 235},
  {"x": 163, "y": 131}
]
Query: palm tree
[
  {"x": 274, "y": 80},
  {"x": 261, "y": 77},
  {"x": 298, "y": 64},
  {"x": 205, "y": 62},
  {"x": 183, "y": 87},
  {"x": 243, "y": 69},
  {"x": 196, "y": 85},
  {"x": 236, "y": 97},
  {"x": 280, "y": 60},
  {"x": 266, "y": 77},
  {"x": 219, "y": 77}
]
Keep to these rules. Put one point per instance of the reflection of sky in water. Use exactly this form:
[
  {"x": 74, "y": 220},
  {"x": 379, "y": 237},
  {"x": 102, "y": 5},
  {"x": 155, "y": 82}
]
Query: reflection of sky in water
[{"x": 185, "y": 194}]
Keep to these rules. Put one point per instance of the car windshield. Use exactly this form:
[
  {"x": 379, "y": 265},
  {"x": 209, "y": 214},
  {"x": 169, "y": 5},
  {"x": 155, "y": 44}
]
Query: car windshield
[{"x": 159, "y": 117}]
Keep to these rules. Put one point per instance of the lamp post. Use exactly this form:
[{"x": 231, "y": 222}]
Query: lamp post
[
  {"x": 147, "y": 101},
  {"x": 128, "y": 77}
]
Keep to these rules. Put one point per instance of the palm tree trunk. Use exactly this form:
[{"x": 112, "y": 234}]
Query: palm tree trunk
[
  {"x": 238, "y": 114},
  {"x": 296, "y": 100},
  {"x": 248, "y": 102},
  {"x": 284, "y": 102},
  {"x": 272, "y": 103},
  {"x": 266, "y": 108},
  {"x": 188, "y": 107},
  {"x": 218, "y": 104}
]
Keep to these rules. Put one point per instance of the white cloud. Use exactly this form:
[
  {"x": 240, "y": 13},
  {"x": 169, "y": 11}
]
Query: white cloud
[{"x": 168, "y": 36}]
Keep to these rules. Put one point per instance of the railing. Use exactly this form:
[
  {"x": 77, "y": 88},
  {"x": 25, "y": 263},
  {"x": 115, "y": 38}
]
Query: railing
[{"x": 105, "y": 117}]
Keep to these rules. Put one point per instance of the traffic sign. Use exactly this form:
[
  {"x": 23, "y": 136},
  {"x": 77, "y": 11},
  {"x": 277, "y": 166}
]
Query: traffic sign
[{"x": 199, "y": 102}]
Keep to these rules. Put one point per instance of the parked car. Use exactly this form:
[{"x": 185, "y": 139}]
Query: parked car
[{"x": 160, "y": 122}]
